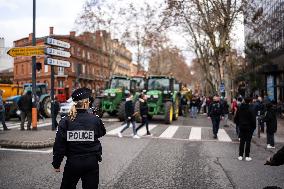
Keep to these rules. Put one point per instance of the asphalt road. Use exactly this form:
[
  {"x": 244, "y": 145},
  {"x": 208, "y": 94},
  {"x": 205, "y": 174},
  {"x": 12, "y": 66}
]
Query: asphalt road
[{"x": 152, "y": 162}]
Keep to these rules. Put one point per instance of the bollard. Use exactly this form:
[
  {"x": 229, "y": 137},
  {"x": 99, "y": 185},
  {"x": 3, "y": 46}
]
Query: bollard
[{"x": 34, "y": 118}]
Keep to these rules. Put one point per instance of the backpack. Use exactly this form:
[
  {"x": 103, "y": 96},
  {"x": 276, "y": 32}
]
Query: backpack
[{"x": 216, "y": 109}]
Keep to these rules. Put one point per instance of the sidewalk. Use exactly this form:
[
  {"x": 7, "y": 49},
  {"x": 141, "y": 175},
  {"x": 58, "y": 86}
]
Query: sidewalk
[
  {"x": 14, "y": 138},
  {"x": 279, "y": 135}
]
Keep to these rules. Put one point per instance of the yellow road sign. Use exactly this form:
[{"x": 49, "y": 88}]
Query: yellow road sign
[{"x": 26, "y": 51}]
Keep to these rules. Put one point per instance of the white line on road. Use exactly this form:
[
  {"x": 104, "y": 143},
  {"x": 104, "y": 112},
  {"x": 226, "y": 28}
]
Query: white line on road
[
  {"x": 39, "y": 125},
  {"x": 142, "y": 131},
  {"x": 223, "y": 136},
  {"x": 23, "y": 150},
  {"x": 110, "y": 119},
  {"x": 195, "y": 133},
  {"x": 115, "y": 131},
  {"x": 169, "y": 132}
]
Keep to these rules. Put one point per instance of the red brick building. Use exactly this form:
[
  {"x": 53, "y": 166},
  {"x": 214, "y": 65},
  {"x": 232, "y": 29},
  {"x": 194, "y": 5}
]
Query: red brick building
[{"x": 91, "y": 61}]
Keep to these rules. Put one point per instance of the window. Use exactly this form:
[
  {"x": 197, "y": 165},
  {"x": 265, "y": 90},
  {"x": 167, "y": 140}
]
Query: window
[
  {"x": 60, "y": 84},
  {"x": 83, "y": 54},
  {"x": 83, "y": 68},
  {"x": 22, "y": 69},
  {"x": 60, "y": 71},
  {"x": 88, "y": 56},
  {"x": 16, "y": 69}
]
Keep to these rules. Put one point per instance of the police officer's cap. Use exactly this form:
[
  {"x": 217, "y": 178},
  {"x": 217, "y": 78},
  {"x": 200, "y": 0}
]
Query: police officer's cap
[{"x": 80, "y": 94}]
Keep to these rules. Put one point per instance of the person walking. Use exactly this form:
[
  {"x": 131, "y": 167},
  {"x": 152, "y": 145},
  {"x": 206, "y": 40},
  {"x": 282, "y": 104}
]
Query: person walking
[
  {"x": 225, "y": 107},
  {"x": 260, "y": 110},
  {"x": 25, "y": 106},
  {"x": 215, "y": 112},
  {"x": 77, "y": 139},
  {"x": 2, "y": 112},
  {"x": 246, "y": 121},
  {"x": 193, "y": 107},
  {"x": 271, "y": 124},
  {"x": 130, "y": 116},
  {"x": 144, "y": 113},
  {"x": 184, "y": 105}
]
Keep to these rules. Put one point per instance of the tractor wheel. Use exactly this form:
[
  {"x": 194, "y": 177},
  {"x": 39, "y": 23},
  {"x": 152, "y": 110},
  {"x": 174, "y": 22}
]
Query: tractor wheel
[
  {"x": 176, "y": 110},
  {"x": 113, "y": 113},
  {"x": 137, "y": 109},
  {"x": 46, "y": 107},
  {"x": 169, "y": 111},
  {"x": 97, "y": 105},
  {"x": 121, "y": 111}
]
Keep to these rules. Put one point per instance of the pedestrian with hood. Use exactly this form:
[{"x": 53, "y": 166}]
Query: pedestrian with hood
[
  {"x": 25, "y": 106},
  {"x": 2, "y": 112},
  {"x": 246, "y": 121},
  {"x": 77, "y": 139},
  {"x": 144, "y": 113},
  {"x": 215, "y": 112},
  {"x": 271, "y": 124},
  {"x": 129, "y": 116}
]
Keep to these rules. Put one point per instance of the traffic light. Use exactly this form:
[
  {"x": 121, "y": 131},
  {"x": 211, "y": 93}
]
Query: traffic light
[{"x": 38, "y": 66}]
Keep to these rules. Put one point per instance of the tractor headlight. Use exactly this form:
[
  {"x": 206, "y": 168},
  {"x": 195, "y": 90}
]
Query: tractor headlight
[
  {"x": 9, "y": 102},
  {"x": 155, "y": 96},
  {"x": 112, "y": 94},
  {"x": 166, "y": 92},
  {"x": 105, "y": 94}
]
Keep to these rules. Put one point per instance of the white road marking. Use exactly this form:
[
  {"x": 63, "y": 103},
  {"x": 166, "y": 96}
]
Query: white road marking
[
  {"x": 223, "y": 136},
  {"x": 143, "y": 131},
  {"x": 24, "y": 150},
  {"x": 169, "y": 132},
  {"x": 110, "y": 119},
  {"x": 195, "y": 133},
  {"x": 115, "y": 131},
  {"x": 39, "y": 125}
]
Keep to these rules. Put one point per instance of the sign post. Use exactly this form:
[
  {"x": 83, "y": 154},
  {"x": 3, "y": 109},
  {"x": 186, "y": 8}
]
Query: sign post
[
  {"x": 34, "y": 108},
  {"x": 49, "y": 60}
]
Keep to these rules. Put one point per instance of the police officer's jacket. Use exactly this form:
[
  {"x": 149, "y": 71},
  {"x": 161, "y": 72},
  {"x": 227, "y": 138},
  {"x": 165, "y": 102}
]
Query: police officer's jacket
[{"x": 78, "y": 137}]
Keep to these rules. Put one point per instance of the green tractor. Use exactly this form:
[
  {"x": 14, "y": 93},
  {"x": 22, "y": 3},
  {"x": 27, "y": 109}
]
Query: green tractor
[
  {"x": 163, "y": 97},
  {"x": 113, "y": 99}
]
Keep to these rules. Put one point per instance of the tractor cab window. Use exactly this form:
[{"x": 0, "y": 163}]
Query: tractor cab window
[
  {"x": 120, "y": 83},
  {"x": 159, "y": 84},
  {"x": 139, "y": 83}
]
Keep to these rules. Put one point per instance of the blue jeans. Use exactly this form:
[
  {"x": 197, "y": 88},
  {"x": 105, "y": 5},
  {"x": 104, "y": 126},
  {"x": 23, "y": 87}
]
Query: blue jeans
[
  {"x": 193, "y": 111},
  {"x": 215, "y": 123},
  {"x": 127, "y": 126},
  {"x": 270, "y": 138}
]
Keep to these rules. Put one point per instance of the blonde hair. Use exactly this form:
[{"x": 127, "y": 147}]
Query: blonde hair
[{"x": 81, "y": 104}]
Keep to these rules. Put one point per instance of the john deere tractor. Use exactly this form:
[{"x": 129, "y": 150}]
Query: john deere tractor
[
  {"x": 113, "y": 99},
  {"x": 163, "y": 97}
]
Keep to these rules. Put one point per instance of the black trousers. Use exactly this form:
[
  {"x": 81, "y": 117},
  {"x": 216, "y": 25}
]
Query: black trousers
[
  {"x": 85, "y": 168},
  {"x": 144, "y": 122},
  {"x": 245, "y": 141},
  {"x": 215, "y": 123}
]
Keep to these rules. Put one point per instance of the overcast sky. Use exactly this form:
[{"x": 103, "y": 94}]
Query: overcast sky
[{"x": 16, "y": 20}]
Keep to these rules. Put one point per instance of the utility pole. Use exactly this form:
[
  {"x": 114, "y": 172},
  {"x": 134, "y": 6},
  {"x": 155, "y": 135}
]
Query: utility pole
[{"x": 34, "y": 109}]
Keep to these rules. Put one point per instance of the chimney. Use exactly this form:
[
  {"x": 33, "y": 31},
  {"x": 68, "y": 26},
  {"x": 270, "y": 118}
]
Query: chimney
[
  {"x": 72, "y": 33},
  {"x": 51, "y": 30},
  {"x": 30, "y": 36}
]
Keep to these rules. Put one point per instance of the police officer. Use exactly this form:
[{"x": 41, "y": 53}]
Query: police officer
[{"x": 77, "y": 139}]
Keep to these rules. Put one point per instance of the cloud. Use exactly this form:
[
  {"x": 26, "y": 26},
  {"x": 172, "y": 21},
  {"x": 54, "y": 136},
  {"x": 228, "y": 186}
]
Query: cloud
[{"x": 8, "y": 4}]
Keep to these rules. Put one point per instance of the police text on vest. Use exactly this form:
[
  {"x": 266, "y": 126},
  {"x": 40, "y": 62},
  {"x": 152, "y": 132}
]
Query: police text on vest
[{"x": 80, "y": 136}]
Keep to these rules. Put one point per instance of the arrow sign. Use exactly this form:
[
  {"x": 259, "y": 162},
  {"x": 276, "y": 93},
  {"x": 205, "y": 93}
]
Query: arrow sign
[
  {"x": 56, "y": 62},
  {"x": 58, "y": 43},
  {"x": 26, "y": 51},
  {"x": 57, "y": 52}
]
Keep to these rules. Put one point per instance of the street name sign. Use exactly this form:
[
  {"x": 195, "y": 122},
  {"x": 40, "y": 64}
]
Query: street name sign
[
  {"x": 58, "y": 43},
  {"x": 26, "y": 51},
  {"x": 56, "y": 62},
  {"x": 57, "y": 52}
]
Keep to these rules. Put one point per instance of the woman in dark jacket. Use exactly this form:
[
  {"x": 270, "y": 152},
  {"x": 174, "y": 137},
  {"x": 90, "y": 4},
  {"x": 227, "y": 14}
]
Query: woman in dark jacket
[
  {"x": 271, "y": 124},
  {"x": 144, "y": 113},
  {"x": 245, "y": 119}
]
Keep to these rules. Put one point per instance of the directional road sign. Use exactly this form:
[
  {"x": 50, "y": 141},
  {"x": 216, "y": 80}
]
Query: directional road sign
[
  {"x": 58, "y": 43},
  {"x": 57, "y": 52},
  {"x": 56, "y": 62},
  {"x": 26, "y": 51}
]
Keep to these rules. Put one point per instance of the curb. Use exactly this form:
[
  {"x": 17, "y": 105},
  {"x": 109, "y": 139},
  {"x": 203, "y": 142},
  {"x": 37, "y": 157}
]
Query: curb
[{"x": 26, "y": 144}]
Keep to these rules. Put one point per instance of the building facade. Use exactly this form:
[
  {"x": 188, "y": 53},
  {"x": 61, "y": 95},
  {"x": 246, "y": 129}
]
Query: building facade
[
  {"x": 264, "y": 37},
  {"x": 91, "y": 61}
]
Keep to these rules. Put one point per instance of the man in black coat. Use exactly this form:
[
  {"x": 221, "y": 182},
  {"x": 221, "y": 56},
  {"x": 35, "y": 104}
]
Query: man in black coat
[
  {"x": 143, "y": 113},
  {"x": 271, "y": 124},
  {"x": 215, "y": 112},
  {"x": 246, "y": 121},
  {"x": 25, "y": 106},
  {"x": 130, "y": 116},
  {"x": 277, "y": 159}
]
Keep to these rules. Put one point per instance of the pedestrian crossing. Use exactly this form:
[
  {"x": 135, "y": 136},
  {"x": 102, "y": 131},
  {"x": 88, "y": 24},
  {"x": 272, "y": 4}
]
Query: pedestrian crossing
[
  {"x": 190, "y": 133},
  {"x": 17, "y": 125}
]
